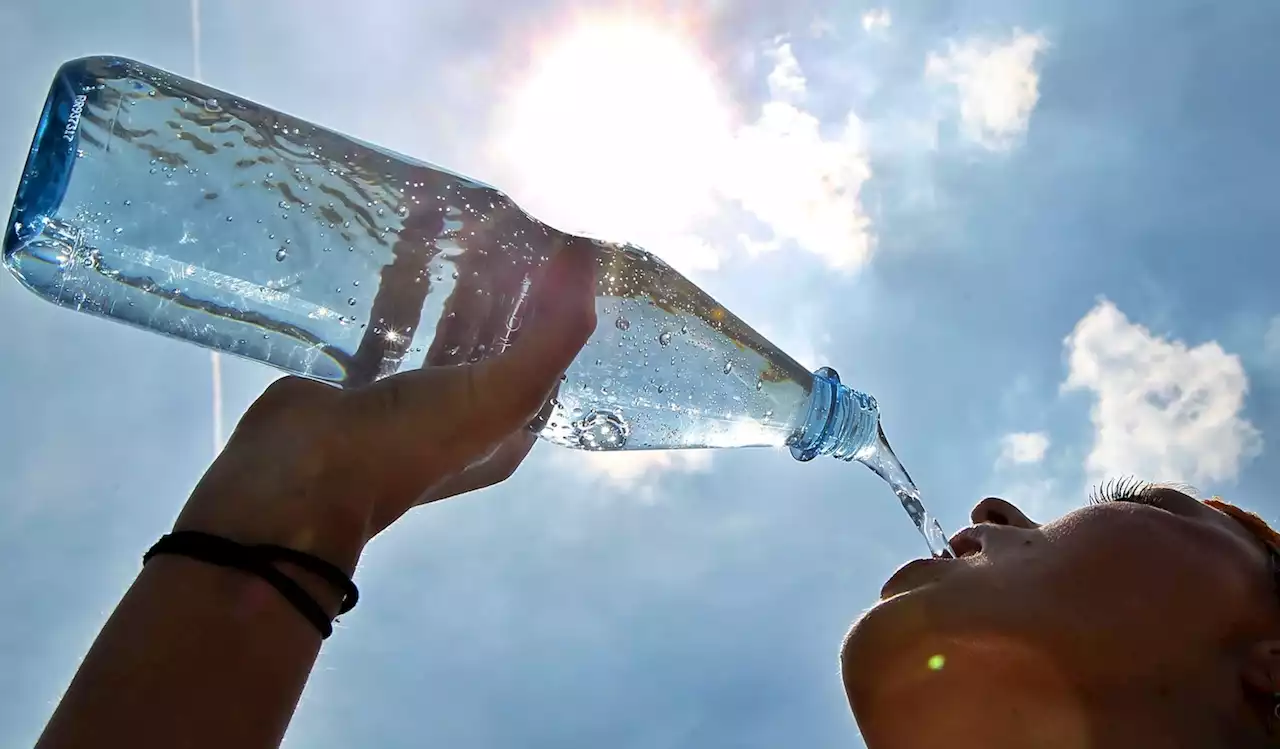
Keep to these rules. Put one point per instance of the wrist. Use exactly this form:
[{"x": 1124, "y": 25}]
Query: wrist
[
  {"x": 313, "y": 584},
  {"x": 336, "y": 545},
  {"x": 285, "y": 492},
  {"x": 327, "y": 536}
]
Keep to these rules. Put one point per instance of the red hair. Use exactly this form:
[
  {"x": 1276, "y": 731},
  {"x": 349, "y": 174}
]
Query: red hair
[{"x": 1256, "y": 526}]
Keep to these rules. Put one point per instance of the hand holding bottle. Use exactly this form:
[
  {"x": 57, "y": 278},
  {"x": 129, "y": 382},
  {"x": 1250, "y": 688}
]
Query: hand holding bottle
[{"x": 323, "y": 470}]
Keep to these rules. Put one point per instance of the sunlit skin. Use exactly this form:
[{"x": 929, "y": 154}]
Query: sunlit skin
[{"x": 1118, "y": 625}]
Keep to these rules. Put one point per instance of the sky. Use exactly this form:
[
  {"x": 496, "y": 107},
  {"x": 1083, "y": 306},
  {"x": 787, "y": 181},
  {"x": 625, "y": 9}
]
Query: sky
[{"x": 1041, "y": 234}]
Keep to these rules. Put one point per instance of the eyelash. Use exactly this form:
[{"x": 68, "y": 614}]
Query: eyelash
[{"x": 1127, "y": 489}]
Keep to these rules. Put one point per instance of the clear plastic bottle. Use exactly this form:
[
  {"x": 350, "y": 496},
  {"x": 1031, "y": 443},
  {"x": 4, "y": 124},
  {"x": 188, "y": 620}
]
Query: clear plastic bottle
[{"x": 163, "y": 203}]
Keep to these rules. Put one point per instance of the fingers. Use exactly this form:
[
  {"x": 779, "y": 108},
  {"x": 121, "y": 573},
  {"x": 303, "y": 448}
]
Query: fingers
[
  {"x": 511, "y": 388},
  {"x": 466, "y": 411}
]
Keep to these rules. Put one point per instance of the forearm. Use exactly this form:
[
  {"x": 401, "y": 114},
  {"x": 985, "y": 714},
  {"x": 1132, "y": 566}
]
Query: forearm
[{"x": 195, "y": 655}]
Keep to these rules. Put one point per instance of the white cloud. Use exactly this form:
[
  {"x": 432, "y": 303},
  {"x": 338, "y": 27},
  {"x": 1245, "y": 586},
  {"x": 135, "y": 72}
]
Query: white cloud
[
  {"x": 691, "y": 255},
  {"x": 786, "y": 80},
  {"x": 1162, "y": 411},
  {"x": 658, "y": 154},
  {"x": 801, "y": 183},
  {"x": 997, "y": 83},
  {"x": 1023, "y": 448},
  {"x": 635, "y": 470},
  {"x": 876, "y": 19}
]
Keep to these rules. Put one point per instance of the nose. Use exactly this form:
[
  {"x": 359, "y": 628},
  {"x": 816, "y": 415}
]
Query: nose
[{"x": 999, "y": 512}]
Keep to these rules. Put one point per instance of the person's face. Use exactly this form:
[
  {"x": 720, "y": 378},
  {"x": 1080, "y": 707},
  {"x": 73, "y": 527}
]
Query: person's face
[{"x": 1039, "y": 622}]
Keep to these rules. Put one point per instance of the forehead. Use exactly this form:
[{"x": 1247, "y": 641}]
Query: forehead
[{"x": 1181, "y": 503}]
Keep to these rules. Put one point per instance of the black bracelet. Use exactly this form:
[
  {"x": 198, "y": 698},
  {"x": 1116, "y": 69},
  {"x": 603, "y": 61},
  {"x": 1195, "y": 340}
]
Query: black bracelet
[{"x": 260, "y": 559}]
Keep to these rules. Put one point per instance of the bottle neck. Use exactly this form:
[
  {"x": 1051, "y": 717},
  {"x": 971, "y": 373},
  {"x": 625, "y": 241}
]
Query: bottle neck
[{"x": 841, "y": 422}]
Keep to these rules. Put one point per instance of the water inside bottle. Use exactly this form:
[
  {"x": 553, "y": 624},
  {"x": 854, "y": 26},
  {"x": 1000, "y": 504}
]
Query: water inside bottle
[
  {"x": 174, "y": 207},
  {"x": 882, "y": 460}
]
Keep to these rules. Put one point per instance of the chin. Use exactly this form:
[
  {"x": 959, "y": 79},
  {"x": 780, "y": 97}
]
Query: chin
[
  {"x": 892, "y": 642},
  {"x": 913, "y": 642}
]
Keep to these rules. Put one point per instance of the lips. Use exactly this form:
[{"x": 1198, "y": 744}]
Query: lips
[{"x": 920, "y": 572}]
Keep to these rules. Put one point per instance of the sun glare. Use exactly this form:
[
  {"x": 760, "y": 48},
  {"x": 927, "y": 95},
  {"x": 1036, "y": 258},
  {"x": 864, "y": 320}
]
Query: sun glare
[{"x": 615, "y": 130}]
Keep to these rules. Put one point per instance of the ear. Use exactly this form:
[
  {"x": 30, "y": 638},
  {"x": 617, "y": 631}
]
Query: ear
[{"x": 1262, "y": 666}]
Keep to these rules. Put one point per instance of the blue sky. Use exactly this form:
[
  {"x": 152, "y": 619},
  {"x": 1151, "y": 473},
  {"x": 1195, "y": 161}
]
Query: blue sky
[{"x": 1043, "y": 236}]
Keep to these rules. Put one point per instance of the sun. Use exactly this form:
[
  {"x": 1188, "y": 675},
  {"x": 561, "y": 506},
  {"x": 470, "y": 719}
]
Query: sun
[{"x": 616, "y": 128}]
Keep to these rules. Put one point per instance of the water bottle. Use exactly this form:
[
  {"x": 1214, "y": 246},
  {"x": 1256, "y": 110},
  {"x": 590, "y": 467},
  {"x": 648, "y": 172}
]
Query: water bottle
[{"x": 165, "y": 204}]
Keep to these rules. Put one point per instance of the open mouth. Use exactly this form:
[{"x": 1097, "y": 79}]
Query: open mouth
[
  {"x": 966, "y": 543},
  {"x": 921, "y": 572}
]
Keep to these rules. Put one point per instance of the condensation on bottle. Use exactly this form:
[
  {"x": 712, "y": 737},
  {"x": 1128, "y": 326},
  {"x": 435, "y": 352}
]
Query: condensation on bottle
[{"x": 163, "y": 203}]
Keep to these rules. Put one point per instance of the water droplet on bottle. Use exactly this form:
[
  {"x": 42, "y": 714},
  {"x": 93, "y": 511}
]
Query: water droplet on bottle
[
  {"x": 622, "y": 324},
  {"x": 119, "y": 230},
  {"x": 684, "y": 329},
  {"x": 728, "y": 367},
  {"x": 602, "y": 430},
  {"x": 665, "y": 338},
  {"x": 281, "y": 254},
  {"x": 355, "y": 283},
  {"x": 212, "y": 105},
  {"x": 455, "y": 275},
  {"x": 128, "y": 202},
  {"x": 759, "y": 385},
  {"x": 229, "y": 219},
  {"x": 351, "y": 302}
]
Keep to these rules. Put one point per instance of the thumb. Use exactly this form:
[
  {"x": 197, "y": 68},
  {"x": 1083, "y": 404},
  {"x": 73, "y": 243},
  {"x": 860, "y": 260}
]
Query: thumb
[{"x": 512, "y": 387}]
